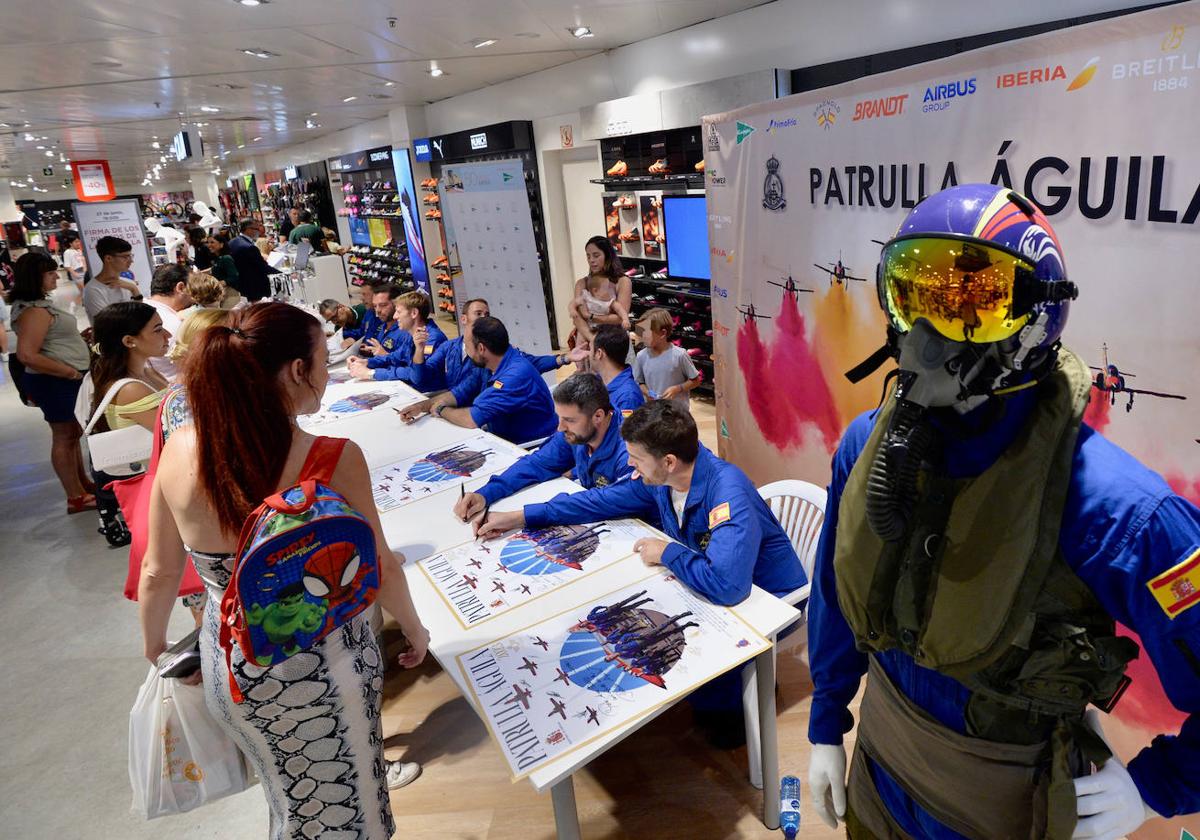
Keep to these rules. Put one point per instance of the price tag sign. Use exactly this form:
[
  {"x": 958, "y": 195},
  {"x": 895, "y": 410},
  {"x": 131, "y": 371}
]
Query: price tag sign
[{"x": 93, "y": 181}]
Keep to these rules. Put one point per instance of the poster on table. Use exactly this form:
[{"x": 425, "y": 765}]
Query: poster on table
[
  {"x": 401, "y": 482},
  {"x": 485, "y": 211},
  {"x": 122, "y": 219},
  {"x": 555, "y": 686},
  {"x": 352, "y": 397},
  {"x": 1094, "y": 123},
  {"x": 479, "y": 581}
]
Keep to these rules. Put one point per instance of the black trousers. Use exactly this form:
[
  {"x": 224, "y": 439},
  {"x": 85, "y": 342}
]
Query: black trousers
[{"x": 106, "y": 500}]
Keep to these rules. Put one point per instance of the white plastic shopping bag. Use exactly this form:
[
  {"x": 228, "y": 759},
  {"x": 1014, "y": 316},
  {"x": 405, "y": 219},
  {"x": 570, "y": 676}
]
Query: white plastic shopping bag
[{"x": 179, "y": 758}]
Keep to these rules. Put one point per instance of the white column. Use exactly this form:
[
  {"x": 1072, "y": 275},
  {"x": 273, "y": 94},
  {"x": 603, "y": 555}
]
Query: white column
[{"x": 8, "y": 206}]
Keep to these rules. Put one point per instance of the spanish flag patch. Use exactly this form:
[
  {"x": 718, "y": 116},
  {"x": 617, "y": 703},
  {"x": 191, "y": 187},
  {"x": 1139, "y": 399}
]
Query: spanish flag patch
[
  {"x": 428, "y": 349},
  {"x": 498, "y": 385},
  {"x": 625, "y": 412},
  {"x": 1178, "y": 588},
  {"x": 718, "y": 515}
]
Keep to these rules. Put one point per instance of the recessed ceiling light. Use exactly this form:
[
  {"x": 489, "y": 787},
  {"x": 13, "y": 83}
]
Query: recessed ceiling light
[
  {"x": 200, "y": 125},
  {"x": 350, "y": 98},
  {"x": 258, "y": 52},
  {"x": 256, "y": 139},
  {"x": 29, "y": 138},
  {"x": 40, "y": 148},
  {"x": 486, "y": 42},
  {"x": 49, "y": 153},
  {"x": 252, "y": 3},
  {"x": 436, "y": 71},
  {"x": 389, "y": 84},
  {"x": 241, "y": 145},
  {"x": 313, "y": 114},
  {"x": 581, "y": 31},
  {"x": 154, "y": 145},
  {"x": 208, "y": 109}
]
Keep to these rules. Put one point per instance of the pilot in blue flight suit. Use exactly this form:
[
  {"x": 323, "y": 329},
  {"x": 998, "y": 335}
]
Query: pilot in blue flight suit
[
  {"x": 610, "y": 349},
  {"x": 588, "y": 442},
  {"x": 412, "y": 319},
  {"x": 515, "y": 403},
  {"x": 727, "y": 537},
  {"x": 979, "y": 543}
]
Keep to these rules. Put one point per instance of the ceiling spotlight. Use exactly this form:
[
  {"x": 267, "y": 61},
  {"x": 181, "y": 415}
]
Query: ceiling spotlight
[
  {"x": 389, "y": 84},
  {"x": 29, "y": 138},
  {"x": 252, "y": 3},
  {"x": 436, "y": 71},
  {"x": 309, "y": 124},
  {"x": 350, "y": 98},
  {"x": 258, "y": 52},
  {"x": 49, "y": 153},
  {"x": 581, "y": 31},
  {"x": 256, "y": 139},
  {"x": 486, "y": 42},
  {"x": 200, "y": 125},
  {"x": 208, "y": 109},
  {"x": 241, "y": 145},
  {"x": 154, "y": 145},
  {"x": 3, "y": 125},
  {"x": 40, "y": 148}
]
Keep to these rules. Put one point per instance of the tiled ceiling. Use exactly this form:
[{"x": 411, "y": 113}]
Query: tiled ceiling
[{"x": 88, "y": 79}]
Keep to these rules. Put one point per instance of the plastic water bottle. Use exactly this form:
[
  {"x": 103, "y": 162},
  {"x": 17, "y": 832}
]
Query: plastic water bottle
[{"x": 789, "y": 806}]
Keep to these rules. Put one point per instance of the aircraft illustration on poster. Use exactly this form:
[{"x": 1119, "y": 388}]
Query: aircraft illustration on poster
[
  {"x": 749, "y": 313},
  {"x": 838, "y": 273},
  {"x": 418, "y": 476},
  {"x": 789, "y": 286},
  {"x": 1111, "y": 380}
]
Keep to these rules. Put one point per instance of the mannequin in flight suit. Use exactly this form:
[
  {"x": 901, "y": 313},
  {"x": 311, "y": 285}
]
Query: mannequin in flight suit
[{"x": 980, "y": 542}]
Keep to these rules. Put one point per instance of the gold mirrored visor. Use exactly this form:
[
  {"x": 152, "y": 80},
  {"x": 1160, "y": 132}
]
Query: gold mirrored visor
[{"x": 964, "y": 289}]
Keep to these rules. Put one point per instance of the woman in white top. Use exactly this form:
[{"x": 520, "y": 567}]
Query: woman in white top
[
  {"x": 604, "y": 296},
  {"x": 73, "y": 261}
]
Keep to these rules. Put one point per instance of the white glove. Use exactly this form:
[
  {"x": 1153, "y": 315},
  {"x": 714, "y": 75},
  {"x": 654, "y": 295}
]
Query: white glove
[
  {"x": 827, "y": 781},
  {"x": 1108, "y": 802}
]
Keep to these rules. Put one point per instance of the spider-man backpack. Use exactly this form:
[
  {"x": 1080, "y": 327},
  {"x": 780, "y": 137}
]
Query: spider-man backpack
[{"x": 305, "y": 565}]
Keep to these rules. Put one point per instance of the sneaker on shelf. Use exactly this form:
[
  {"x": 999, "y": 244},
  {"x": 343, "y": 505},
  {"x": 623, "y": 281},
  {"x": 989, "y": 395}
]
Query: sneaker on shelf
[
  {"x": 699, "y": 167},
  {"x": 625, "y": 202},
  {"x": 659, "y": 167},
  {"x": 401, "y": 773},
  {"x": 661, "y": 274},
  {"x": 618, "y": 170},
  {"x": 440, "y": 262},
  {"x": 432, "y": 198},
  {"x": 694, "y": 351}
]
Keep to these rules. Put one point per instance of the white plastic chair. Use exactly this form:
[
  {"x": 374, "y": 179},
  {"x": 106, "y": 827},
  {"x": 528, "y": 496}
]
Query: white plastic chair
[{"x": 799, "y": 508}]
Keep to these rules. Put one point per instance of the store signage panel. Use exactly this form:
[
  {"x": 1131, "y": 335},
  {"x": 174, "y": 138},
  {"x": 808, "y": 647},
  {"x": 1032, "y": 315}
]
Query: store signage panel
[
  {"x": 93, "y": 181},
  {"x": 115, "y": 218},
  {"x": 502, "y": 137},
  {"x": 362, "y": 161},
  {"x": 290, "y": 173}
]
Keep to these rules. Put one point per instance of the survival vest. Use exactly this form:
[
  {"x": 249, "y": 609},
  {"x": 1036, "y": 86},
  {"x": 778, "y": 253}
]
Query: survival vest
[
  {"x": 977, "y": 588},
  {"x": 305, "y": 565}
]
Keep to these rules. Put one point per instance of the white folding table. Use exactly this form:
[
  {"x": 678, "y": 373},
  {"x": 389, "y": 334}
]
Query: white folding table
[{"x": 428, "y": 526}]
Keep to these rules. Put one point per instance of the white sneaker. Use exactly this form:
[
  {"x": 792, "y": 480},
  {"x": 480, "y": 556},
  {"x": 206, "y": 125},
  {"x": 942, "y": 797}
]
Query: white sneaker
[{"x": 401, "y": 773}]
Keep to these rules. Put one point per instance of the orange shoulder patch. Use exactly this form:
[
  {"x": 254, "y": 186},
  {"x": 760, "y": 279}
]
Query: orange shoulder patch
[
  {"x": 498, "y": 385},
  {"x": 1178, "y": 588},
  {"x": 718, "y": 515}
]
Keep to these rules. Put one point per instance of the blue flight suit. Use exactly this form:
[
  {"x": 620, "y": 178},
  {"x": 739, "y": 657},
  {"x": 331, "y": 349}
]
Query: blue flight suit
[
  {"x": 1122, "y": 526},
  {"x": 397, "y": 364},
  {"x": 369, "y": 327},
  {"x": 390, "y": 336},
  {"x": 515, "y": 403},
  {"x": 607, "y": 465},
  {"x": 729, "y": 537},
  {"x": 450, "y": 369},
  {"x": 626, "y": 395}
]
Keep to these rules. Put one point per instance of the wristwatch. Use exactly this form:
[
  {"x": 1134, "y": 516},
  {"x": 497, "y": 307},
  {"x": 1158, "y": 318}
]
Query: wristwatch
[{"x": 439, "y": 409}]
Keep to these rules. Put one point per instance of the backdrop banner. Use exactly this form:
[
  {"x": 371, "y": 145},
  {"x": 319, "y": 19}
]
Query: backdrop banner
[{"x": 1096, "y": 124}]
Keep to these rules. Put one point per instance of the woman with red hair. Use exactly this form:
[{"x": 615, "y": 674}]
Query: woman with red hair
[{"x": 311, "y": 723}]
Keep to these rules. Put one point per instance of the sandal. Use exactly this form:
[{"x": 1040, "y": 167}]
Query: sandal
[{"x": 81, "y": 503}]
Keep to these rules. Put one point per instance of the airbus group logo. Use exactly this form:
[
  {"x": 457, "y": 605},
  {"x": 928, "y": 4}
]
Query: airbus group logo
[
  {"x": 938, "y": 97},
  {"x": 826, "y": 114}
]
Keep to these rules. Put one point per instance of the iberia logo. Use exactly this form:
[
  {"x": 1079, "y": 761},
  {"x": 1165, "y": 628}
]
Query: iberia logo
[
  {"x": 1086, "y": 74},
  {"x": 743, "y": 131}
]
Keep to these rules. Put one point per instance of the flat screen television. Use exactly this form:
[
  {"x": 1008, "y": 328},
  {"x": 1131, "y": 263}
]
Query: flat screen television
[{"x": 685, "y": 224}]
